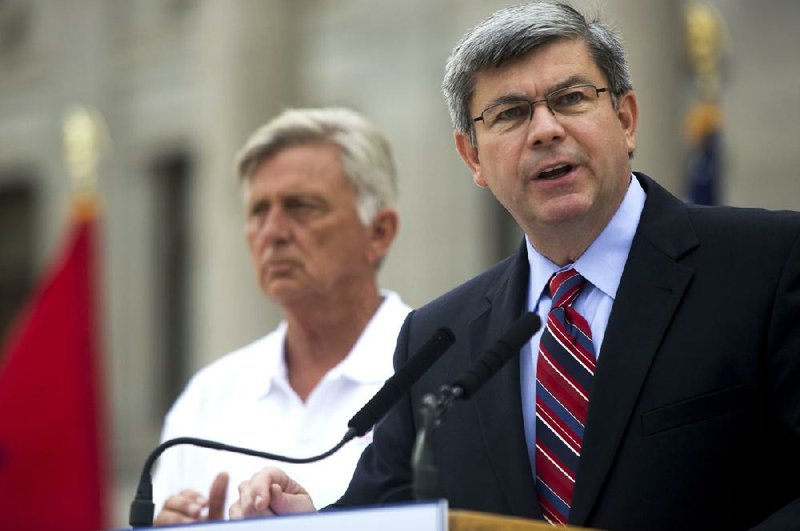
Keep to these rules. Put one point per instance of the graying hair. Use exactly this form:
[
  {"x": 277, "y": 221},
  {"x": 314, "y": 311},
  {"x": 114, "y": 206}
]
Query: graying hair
[
  {"x": 365, "y": 152},
  {"x": 513, "y": 32}
]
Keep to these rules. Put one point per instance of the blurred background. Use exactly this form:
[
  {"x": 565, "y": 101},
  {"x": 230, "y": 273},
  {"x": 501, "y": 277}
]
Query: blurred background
[{"x": 180, "y": 84}]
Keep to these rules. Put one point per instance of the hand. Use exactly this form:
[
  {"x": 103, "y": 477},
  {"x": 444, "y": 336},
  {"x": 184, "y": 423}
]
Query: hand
[
  {"x": 187, "y": 506},
  {"x": 270, "y": 492}
]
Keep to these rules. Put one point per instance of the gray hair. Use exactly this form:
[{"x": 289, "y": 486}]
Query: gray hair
[
  {"x": 365, "y": 152},
  {"x": 513, "y": 32}
]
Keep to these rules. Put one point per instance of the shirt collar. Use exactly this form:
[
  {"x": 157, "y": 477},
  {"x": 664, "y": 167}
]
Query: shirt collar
[
  {"x": 604, "y": 260},
  {"x": 369, "y": 361},
  {"x": 273, "y": 361}
]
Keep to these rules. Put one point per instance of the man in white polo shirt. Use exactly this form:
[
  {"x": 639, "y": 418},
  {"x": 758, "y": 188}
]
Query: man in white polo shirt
[{"x": 319, "y": 191}]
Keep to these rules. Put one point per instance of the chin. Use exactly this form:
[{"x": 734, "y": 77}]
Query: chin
[
  {"x": 564, "y": 210},
  {"x": 281, "y": 289}
]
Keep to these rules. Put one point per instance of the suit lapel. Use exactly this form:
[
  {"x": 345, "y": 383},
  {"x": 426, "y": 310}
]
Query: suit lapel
[
  {"x": 650, "y": 291},
  {"x": 498, "y": 403}
]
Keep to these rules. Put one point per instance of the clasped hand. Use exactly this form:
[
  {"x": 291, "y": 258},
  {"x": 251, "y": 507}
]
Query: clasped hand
[{"x": 270, "y": 492}]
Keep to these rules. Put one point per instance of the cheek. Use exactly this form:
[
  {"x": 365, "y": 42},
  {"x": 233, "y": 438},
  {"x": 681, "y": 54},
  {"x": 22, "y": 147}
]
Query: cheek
[
  {"x": 251, "y": 237},
  {"x": 354, "y": 246},
  {"x": 330, "y": 244},
  {"x": 498, "y": 166},
  {"x": 605, "y": 136}
]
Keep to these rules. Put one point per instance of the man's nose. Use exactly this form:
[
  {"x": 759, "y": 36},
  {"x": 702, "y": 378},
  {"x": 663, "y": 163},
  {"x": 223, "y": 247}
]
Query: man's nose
[
  {"x": 275, "y": 227},
  {"x": 544, "y": 126}
]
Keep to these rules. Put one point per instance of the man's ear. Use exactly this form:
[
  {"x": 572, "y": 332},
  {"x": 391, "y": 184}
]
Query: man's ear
[
  {"x": 628, "y": 114},
  {"x": 383, "y": 230},
  {"x": 469, "y": 153}
]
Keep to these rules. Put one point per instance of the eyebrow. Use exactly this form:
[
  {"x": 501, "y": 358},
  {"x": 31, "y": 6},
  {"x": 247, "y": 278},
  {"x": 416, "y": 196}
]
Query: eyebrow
[{"x": 569, "y": 82}]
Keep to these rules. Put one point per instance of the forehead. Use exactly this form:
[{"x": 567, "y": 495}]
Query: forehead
[
  {"x": 301, "y": 167},
  {"x": 536, "y": 73}
]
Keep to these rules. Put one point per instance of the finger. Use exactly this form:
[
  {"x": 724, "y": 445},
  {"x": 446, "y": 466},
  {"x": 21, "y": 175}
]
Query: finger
[
  {"x": 259, "y": 507},
  {"x": 181, "y": 508},
  {"x": 235, "y": 512},
  {"x": 216, "y": 497},
  {"x": 254, "y": 494},
  {"x": 167, "y": 517},
  {"x": 285, "y": 502},
  {"x": 245, "y": 496},
  {"x": 191, "y": 496},
  {"x": 170, "y": 517}
]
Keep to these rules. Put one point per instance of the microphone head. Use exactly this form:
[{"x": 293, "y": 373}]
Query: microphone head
[
  {"x": 400, "y": 382},
  {"x": 521, "y": 331},
  {"x": 501, "y": 352}
]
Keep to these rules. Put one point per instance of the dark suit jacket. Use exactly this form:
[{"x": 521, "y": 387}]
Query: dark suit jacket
[{"x": 694, "y": 416}]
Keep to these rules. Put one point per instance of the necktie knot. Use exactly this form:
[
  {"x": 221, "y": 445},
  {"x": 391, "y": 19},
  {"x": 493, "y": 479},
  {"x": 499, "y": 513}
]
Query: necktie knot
[{"x": 565, "y": 287}]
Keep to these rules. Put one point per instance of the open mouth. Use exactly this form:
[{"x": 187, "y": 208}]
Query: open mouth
[{"x": 556, "y": 172}]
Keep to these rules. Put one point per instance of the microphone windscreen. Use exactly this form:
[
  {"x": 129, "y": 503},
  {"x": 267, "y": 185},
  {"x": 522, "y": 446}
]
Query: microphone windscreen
[{"x": 501, "y": 352}]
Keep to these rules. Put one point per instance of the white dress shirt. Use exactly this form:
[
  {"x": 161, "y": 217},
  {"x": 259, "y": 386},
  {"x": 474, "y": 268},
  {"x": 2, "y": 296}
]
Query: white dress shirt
[{"x": 244, "y": 399}]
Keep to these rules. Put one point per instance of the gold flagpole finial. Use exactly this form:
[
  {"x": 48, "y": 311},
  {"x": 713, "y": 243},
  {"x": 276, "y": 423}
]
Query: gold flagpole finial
[
  {"x": 85, "y": 139},
  {"x": 706, "y": 40}
]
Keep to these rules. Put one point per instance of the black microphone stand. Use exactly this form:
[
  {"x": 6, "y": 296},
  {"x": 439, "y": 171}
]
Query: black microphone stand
[{"x": 423, "y": 464}]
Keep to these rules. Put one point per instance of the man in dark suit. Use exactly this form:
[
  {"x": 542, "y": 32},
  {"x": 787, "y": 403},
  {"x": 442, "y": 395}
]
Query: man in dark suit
[{"x": 665, "y": 391}]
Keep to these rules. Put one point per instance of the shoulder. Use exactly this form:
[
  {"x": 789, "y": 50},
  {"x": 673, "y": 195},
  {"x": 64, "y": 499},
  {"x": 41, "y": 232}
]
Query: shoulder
[
  {"x": 393, "y": 309},
  {"x": 682, "y": 230},
  {"x": 747, "y": 221},
  {"x": 233, "y": 363},
  {"x": 744, "y": 221},
  {"x": 226, "y": 376},
  {"x": 476, "y": 289},
  {"x": 753, "y": 235},
  {"x": 461, "y": 305}
]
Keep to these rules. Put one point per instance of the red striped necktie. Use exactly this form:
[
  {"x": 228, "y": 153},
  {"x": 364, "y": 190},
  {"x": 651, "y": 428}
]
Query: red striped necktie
[{"x": 564, "y": 372}]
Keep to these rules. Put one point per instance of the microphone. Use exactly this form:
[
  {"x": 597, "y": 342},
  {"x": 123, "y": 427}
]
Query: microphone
[
  {"x": 425, "y": 483},
  {"x": 142, "y": 508},
  {"x": 400, "y": 382},
  {"x": 501, "y": 352}
]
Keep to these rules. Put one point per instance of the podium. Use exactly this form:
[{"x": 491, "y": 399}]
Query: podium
[
  {"x": 421, "y": 516},
  {"x": 459, "y": 520}
]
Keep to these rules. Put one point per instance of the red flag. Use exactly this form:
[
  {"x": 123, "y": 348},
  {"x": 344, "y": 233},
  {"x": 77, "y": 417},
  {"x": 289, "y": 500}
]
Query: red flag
[{"x": 52, "y": 430}]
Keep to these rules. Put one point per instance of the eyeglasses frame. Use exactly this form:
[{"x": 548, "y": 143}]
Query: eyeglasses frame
[{"x": 545, "y": 100}]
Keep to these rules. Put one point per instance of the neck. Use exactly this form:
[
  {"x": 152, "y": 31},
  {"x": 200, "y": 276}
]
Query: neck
[
  {"x": 563, "y": 245},
  {"x": 320, "y": 335},
  {"x": 564, "y": 242}
]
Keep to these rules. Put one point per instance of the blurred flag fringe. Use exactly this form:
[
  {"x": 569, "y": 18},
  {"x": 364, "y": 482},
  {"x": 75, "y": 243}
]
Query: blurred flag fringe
[
  {"x": 704, "y": 164},
  {"x": 53, "y": 446}
]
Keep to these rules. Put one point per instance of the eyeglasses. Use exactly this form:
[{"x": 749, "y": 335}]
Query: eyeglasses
[{"x": 569, "y": 101}]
